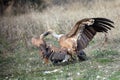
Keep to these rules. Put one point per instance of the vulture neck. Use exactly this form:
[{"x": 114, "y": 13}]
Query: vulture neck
[{"x": 56, "y": 35}]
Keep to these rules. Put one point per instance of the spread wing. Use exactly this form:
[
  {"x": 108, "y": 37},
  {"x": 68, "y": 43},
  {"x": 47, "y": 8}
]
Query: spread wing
[{"x": 86, "y": 29}]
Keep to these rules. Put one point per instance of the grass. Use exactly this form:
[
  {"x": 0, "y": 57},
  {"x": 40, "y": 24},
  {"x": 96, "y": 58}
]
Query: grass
[
  {"x": 104, "y": 60},
  {"x": 105, "y": 56},
  {"x": 25, "y": 64},
  {"x": 115, "y": 76},
  {"x": 104, "y": 53}
]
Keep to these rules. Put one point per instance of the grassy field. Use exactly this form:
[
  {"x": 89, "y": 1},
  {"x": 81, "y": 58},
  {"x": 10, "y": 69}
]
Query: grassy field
[
  {"x": 27, "y": 65},
  {"x": 24, "y": 63}
]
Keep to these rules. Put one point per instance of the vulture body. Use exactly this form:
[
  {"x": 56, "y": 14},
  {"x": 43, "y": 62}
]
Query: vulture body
[
  {"x": 49, "y": 52},
  {"x": 82, "y": 33},
  {"x": 52, "y": 53}
]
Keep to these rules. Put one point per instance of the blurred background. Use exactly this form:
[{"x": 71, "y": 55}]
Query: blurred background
[{"x": 20, "y": 20}]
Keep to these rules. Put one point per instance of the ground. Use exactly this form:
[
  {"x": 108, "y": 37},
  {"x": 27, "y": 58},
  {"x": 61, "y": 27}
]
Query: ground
[
  {"x": 102, "y": 64},
  {"x": 23, "y": 61}
]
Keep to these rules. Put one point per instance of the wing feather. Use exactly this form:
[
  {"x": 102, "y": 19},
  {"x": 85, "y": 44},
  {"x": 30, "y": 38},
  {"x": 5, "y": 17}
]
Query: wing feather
[
  {"x": 84, "y": 31},
  {"x": 103, "y": 19},
  {"x": 83, "y": 40},
  {"x": 88, "y": 33},
  {"x": 99, "y": 25},
  {"x": 104, "y": 25}
]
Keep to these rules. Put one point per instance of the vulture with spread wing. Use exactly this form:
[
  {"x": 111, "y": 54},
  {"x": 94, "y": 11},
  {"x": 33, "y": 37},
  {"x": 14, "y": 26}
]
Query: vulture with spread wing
[
  {"x": 52, "y": 53},
  {"x": 82, "y": 33}
]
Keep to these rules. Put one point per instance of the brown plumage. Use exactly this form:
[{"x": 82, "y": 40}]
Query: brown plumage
[
  {"x": 49, "y": 52},
  {"x": 82, "y": 33},
  {"x": 41, "y": 44}
]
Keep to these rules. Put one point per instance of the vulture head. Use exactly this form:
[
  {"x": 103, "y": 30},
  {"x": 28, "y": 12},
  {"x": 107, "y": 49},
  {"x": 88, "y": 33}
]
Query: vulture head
[{"x": 43, "y": 47}]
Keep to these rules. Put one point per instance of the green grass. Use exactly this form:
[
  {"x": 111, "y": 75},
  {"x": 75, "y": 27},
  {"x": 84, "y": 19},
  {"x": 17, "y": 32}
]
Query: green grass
[
  {"x": 104, "y": 53},
  {"x": 105, "y": 56},
  {"x": 92, "y": 42},
  {"x": 115, "y": 76},
  {"x": 27, "y": 65},
  {"x": 104, "y": 60}
]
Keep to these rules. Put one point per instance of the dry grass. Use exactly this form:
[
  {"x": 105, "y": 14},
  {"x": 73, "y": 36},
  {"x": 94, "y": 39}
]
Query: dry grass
[{"x": 59, "y": 18}]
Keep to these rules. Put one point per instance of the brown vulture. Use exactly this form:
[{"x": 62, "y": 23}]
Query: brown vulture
[
  {"x": 50, "y": 52},
  {"x": 82, "y": 33}
]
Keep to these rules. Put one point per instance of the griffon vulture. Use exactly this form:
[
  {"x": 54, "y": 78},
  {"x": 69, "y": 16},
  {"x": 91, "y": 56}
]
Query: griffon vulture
[
  {"x": 82, "y": 33},
  {"x": 50, "y": 52}
]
